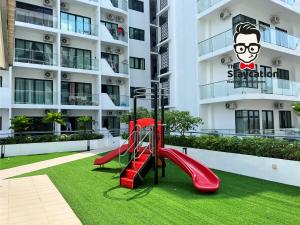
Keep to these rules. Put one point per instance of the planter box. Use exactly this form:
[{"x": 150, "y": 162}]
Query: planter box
[
  {"x": 277, "y": 170},
  {"x": 50, "y": 147}
]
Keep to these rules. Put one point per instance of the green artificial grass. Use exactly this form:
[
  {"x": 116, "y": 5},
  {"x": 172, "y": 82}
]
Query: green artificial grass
[
  {"x": 96, "y": 197},
  {"x": 10, "y": 162}
]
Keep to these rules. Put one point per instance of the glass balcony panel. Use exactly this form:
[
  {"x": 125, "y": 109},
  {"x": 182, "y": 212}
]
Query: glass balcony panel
[
  {"x": 79, "y": 62},
  {"x": 120, "y": 100},
  {"x": 35, "y": 57},
  {"x": 27, "y": 16},
  {"x": 206, "y": 4},
  {"x": 79, "y": 99},
  {"x": 35, "y": 97}
]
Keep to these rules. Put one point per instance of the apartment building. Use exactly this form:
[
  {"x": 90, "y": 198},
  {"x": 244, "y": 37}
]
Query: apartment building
[
  {"x": 173, "y": 39},
  {"x": 249, "y": 105},
  {"x": 75, "y": 57}
]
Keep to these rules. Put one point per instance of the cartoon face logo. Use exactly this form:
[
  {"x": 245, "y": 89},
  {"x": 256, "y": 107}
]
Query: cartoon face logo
[{"x": 246, "y": 45}]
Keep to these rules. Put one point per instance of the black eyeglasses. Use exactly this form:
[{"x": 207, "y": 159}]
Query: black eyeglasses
[{"x": 241, "y": 48}]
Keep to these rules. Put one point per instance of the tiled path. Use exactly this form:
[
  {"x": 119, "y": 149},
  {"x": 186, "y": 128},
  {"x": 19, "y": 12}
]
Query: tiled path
[{"x": 35, "y": 200}]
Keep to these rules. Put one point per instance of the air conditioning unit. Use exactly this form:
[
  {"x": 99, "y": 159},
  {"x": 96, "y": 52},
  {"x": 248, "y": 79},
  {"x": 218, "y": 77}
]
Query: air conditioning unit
[
  {"x": 49, "y": 75},
  {"x": 226, "y": 60},
  {"x": 109, "y": 113},
  {"x": 225, "y": 14},
  {"x": 48, "y": 38},
  {"x": 108, "y": 49},
  {"x": 275, "y": 20},
  {"x": 64, "y": 6},
  {"x": 65, "y": 41},
  {"x": 277, "y": 62},
  {"x": 120, "y": 19},
  {"x": 48, "y": 3},
  {"x": 230, "y": 105},
  {"x": 118, "y": 51},
  {"x": 278, "y": 105},
  {"x": 47, "y": 111},
  {"x": 109, "y": 81},
  {"x": 119, "y": 81},
  {"x": 110, "y": 17},
  {"x": 65, "y": 76}
]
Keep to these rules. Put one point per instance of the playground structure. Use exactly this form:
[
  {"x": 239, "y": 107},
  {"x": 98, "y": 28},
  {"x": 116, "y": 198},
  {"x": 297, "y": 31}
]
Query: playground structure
[{"x": 146, "y": 149}]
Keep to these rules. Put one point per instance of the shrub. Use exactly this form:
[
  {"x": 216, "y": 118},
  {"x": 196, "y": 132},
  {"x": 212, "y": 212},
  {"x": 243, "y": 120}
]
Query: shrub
[
  {"x": 49, "y": 138},
  {"x": 264, "y": 147}
]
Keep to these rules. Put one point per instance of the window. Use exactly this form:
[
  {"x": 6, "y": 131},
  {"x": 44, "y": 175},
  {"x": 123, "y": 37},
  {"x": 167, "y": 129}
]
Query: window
[
  {"x": 76, "y": 93},
  {"x": 32, "y": 91},
  {"x": 136, "y": 5},
  {"x": 113, "y": 92},
  {"x": 267, "y": 86},
  {"x": 75, "y": 23},
  {"x": 0, "y": 123},
  {"x": 265, "y": 31},
  {"x": 0, "y": 81},
  {"x": 247, "y": 121},
  {"x": 33, "y": 52},
  {"x": 38, "y": 125},
  {"x": 241, "y": 81},
  {"x": 268, "y": 121},
  {"x": 282, "y": 37},
  {"x": 112, "y": 123},
  {"x": 112, "y": 27},
  {"x": 137, "y": 63},
  {"x": 285, "y": 119},
  {"x": 75, "y": 125},
  {"x": 136, "y": 34},
  {"x": 283, "y": 78},
  {"x": 112, "y": 59},
  {"x": 140, "y": 92},
  {"x": 76, "y": 58},
  {"x": 34, "y": 14},
  {"x": 241, "y": 19}
]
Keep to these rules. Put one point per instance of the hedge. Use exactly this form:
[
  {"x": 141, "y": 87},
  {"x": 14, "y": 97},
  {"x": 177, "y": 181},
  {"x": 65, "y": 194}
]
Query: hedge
[
  {"x": 49, "y": 138},
  {"x": 265, "y": 147}
]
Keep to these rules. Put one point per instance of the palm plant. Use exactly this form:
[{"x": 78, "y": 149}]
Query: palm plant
[
  {"x": 20, "y": 124},
  {"x": 85, "y": 122},
  {"x": 55, "y": 118}
]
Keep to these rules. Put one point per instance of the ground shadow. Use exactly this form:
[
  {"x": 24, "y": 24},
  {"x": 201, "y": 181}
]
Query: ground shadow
[{"x": 128, "y": 194}]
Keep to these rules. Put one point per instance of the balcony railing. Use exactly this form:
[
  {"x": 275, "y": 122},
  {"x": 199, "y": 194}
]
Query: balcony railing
[
  {"x": 79, "y": 63},
  {"x": 121, "y": 4},
  {"x": 35, "y": 57},
  {"x": 35, "y": 97},
  {"x": 80, "y": 28},
  {"x": 79, "y": 99},
  {"x": 206, "y": 4},
  {"x": 269, "y": 35},
  {"x": 215, "y": 43},
  {"x": 116, "y": 33},
  {"x": 274, "y": 87},
  {"x": 37, "y": 18},
  {"x": 120, "y": 100},
  {"x": 290, "y": 2}
]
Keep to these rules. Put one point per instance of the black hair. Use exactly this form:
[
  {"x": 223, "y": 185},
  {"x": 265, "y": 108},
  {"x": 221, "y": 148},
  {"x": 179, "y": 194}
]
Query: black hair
[{"x": 246, "y": 28}]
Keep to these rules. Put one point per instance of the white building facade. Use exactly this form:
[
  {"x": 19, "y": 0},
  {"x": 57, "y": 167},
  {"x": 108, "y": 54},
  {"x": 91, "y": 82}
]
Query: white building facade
[
  {"x": 75, "y": 57},
  {"x": 253, "y": 105}
]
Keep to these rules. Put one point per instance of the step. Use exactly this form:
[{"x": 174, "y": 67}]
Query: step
[
  {"x": 143, "y": 157},
  {"x": 137, "y": 165},
  {"x": 130, "y": 173},
  {"x": 126, "y": 182}
]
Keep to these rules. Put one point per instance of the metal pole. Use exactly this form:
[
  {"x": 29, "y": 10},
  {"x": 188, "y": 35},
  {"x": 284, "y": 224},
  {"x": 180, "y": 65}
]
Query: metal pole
[
  {"x": 2, "y": 151},
  {"x": 135, "y": 122},
  {"x": 162, "y": 103},
  {"x": 155, "y": 135},
  {"x": 129, "y": 120}
]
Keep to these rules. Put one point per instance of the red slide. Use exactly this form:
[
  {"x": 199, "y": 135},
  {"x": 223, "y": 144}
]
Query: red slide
[
  {"x": 111, "y": 155},
  {"x": 203, "y": 178}
]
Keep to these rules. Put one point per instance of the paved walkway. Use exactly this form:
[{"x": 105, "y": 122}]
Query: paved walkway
[
  {"x": 12, "y": 172},
  {"x": 35, "y": 200}
]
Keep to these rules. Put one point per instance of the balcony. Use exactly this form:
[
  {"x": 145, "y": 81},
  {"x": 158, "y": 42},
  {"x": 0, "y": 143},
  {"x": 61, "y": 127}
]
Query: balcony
[
  {"x": 276, "y": 89},
  {"x": 81, "y": 62},
  {"x": 119, "y": 5},
  {"x": 35, "y": 57},
  {"x": 114, "y": 102},
  {"x": 270, "y": 37},
  {"x": 79, "y": 99},
  {"x": 114, "y": 35},
  {"x": 206, "y": 4},
  {"x": 36, "y": 18},
  {"x": 35, "y": 97},
  {"x": 113, "y": 69},
  {"x": 80, "y": 28}
]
